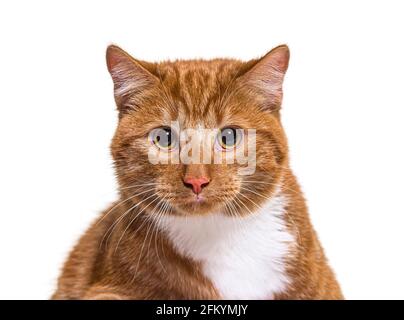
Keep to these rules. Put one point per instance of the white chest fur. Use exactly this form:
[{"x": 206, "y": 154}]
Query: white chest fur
[{"x": 243, "y": 257}]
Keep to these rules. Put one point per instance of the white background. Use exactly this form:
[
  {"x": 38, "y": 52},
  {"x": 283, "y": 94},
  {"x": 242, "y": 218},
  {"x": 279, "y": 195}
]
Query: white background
[{"x": 343, "y": 113}]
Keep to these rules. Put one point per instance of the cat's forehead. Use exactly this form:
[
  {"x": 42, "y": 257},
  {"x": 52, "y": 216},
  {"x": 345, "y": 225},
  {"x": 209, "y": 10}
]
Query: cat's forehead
[{"x": 197, "y": 88}]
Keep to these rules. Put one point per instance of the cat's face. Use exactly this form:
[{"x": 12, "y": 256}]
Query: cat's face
[{"x": 222, "y": 104}]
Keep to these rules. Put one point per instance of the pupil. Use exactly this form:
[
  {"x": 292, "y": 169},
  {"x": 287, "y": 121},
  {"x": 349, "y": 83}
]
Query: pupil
[
  {"x": 229, "y": 137},
  {"x": 165, "y": 138}
]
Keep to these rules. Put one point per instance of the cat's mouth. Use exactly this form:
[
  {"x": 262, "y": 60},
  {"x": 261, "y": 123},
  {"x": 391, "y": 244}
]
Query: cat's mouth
[
  {"x": 198, "y": 199},
  {"x": 187, "y": 202}
]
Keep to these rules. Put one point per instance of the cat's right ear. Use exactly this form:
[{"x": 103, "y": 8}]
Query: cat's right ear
[{"x": 130, "y": 78}]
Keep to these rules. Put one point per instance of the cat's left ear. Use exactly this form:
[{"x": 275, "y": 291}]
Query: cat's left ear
[
  {"x": 131, "y": 78},
  {"x": 266, "y": 77}
]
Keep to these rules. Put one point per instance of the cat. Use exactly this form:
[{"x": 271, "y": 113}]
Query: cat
[{"x": 200, "y": 230}]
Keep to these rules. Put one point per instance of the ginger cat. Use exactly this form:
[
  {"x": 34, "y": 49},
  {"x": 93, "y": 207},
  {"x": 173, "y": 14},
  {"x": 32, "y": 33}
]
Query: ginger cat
[{"x": 200, "y": 229}]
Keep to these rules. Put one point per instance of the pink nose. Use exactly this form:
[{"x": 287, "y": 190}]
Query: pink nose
[{"x": 196, "y": 183}]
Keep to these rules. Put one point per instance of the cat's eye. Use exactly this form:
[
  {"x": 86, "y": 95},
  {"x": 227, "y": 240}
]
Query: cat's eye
[
  {"x": 164, "y": 138},
  {"x": 228, "y": 138}
]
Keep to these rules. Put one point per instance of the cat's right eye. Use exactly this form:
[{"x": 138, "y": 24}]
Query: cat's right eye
[{"x": 164, "y": 138}]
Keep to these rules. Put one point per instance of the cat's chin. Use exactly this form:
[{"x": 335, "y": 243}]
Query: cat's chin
[{"x": 196, "y": 207}]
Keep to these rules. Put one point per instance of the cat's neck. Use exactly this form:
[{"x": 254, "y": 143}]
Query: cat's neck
[{"x": 251, "y": 249}]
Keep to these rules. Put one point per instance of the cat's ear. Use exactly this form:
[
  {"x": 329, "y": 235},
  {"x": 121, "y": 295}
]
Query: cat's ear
[
  {"x": 131, "y": 79},
  {"x": 266, "y": 76}
]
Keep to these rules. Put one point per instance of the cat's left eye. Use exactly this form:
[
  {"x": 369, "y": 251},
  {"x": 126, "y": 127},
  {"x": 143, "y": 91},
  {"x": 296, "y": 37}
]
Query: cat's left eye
[
  {"x": 229, "y": 138},
  {"x": 164, "y": 138}
]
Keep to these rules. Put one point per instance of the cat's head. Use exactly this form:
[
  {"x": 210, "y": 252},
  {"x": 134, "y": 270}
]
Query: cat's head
[{"x": 228, "y": 105}]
